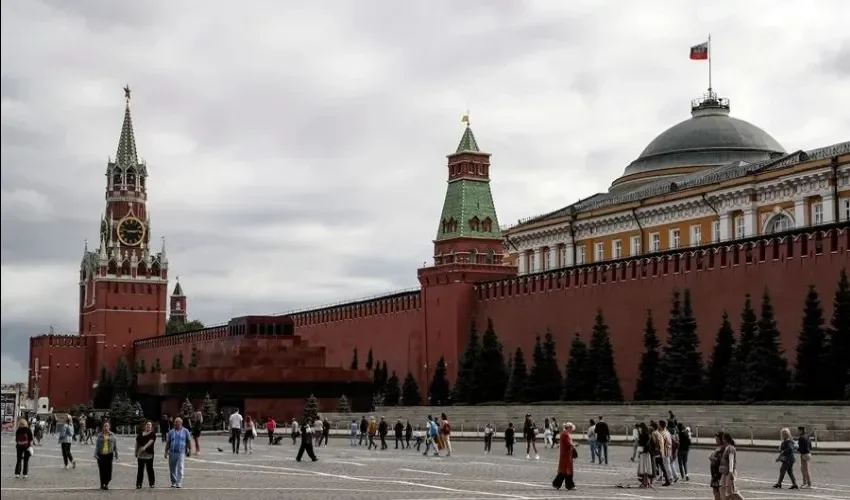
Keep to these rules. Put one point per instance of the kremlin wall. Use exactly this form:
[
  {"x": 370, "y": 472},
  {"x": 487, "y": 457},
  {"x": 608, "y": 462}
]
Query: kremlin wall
[{"x": 714, "y": 204}]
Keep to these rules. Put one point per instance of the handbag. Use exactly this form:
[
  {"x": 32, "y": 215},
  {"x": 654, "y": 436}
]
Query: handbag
[
  {"x": 31, "y": 451},
  {"x": 575, "y": 452}
]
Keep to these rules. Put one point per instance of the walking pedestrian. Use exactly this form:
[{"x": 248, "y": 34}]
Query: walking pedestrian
[
  {"x": 105, "y": 452},
  {"x": 353, "y": 431},
  {"x": 271, "y": 425},
  {"x": 804, "y": 447},
  {"x": 307, "y": 441},
  {"x": 23, "y": 448},
  {"x": 714, "y": 461},
  {"x": 591, "y": 440},
  {"x": 509, "y": 439},
  {"x": 567, "y": 456},
  {"x": 383, "y": 430},
  {"x": 408, "y": 434},
  {"x": 786, "y": 458},
  {"x": 235, "y": 422},
  {"x": 197, "y": 423},
  {"x": 529, "y": 431},
  {"x": 144, "y": 455},
  {"x": 488, "y": 437},
  {"x": 728, "y": 467},
  {"x": 177, "y": 448},
  {"x": 446, "y": 434},
  {"x": 250, "y": 434},
  {"x": 164, "y": 426},
  {"x": 66, "y": 437},
  {"x": 326, "y": 430},
  {"x": 399, "y": 434},
  {"x": 603, "y": 436},
  {"x": 635, "y": 436},
  {"x": 684, "y": 449}
]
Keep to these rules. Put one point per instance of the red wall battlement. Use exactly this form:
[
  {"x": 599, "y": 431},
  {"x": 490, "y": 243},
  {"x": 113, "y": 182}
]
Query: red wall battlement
[
  {"x": 718, "y": 276},
  {"x": 391, "y": 325},
  {"x": 63, "y": 373},
  {"x": 386, "y": 304}
]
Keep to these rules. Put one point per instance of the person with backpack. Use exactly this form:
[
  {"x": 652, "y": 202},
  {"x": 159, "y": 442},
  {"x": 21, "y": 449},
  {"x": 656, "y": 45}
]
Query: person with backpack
[
  {"x": 446, "y": 433},
  {"x": 431, "y": 435}
]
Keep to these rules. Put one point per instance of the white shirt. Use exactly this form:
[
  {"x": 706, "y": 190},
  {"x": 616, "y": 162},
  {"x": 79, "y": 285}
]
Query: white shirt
[{"x": 236, "y": 421}]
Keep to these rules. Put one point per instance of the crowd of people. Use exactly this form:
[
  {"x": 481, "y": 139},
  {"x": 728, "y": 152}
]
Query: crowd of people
[{"x": 660, "y": 448}]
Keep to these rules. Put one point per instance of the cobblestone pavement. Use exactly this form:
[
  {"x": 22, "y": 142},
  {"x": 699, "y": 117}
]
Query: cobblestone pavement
[{"x": 343, "y": 472}]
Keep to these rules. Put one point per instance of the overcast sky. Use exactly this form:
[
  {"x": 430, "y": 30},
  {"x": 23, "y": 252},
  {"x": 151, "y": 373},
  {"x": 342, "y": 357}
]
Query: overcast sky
[{"x": 296, "y": 150}]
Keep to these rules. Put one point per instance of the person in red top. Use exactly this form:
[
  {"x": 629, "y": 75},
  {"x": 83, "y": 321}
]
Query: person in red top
[
  {"x": 565, "y": 461},
  {"x": 271, "y": 425}
]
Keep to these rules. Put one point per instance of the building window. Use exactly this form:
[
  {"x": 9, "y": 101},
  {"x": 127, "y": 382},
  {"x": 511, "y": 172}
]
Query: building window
[
  {"x": 740, "y": 227},
  {"x": 779, "y": 223},
  {"x": 674, "y": 238},
  {"x": 635, "y": 245},
  {"x": 545, "y": 257},
  {"x": 696, "y": 235},
  {"x": 580, "y": 255},
  {"x": 845, "y": 204},
  {"x": 616, "y": 249},
  {"x": 715, "y": 231},
  {"x": 599, "y": 252},
  {"x": 817, "y": 213},
  {"x": 563, "y": 253},
  {"x": 655, "y": 242}
]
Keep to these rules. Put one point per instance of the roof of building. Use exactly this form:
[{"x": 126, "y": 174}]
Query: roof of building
[
  {"x": 178, "y": 290},
  {"x": 468, "y": 199},
  {"x": 732, "y": 170},
  {"x": 467, "y": 144},
  {"x": 710, "y": 137}
]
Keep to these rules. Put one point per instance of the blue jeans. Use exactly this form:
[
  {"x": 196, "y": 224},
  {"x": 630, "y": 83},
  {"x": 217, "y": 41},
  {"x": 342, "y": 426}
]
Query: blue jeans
[
  {"x": 175, "y": 468},
  {"x": 602, "y": 451},
  {"x": 591, "y": 444}
]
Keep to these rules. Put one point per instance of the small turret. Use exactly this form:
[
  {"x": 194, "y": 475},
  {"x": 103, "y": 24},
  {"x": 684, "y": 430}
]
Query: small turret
[{"x": 178, "y": 304}]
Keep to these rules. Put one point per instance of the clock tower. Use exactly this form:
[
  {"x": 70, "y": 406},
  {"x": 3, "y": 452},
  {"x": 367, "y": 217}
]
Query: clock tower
[{"x": 123, "y": 283}]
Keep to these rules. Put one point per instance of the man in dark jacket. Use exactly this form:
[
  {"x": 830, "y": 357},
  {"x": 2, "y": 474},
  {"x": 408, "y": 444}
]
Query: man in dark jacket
[
  {"x": 364, "y": 430},
  {"x": 306, "y": 441},
  {"x": 383, "y": 429},
  {"x": 326, "y": 430},
  {"x": 603, "y": 436},
  {"x": 399, "y": 434}
]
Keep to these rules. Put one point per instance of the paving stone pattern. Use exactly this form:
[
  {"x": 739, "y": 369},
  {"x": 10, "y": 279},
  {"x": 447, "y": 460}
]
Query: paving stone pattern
[{"x": 343, "y": 472}]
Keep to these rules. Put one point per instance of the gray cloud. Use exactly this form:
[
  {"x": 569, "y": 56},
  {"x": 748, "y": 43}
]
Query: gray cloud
[{"x": 297, "y": 150}]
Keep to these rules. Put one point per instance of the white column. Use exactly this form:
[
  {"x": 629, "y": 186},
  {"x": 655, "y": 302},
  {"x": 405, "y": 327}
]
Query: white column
[
  {"x": 553, "y": 256},
  {"x": 568, "y": 255},
  {"x": 750, "y": 225},
  {"x": 828, "y": 201},
  {"x": 538, "y": 260},
  {"x": 800, "y": 213},
  {"x": 725, "y": 233},
  {"x": 521, "y": 262}
]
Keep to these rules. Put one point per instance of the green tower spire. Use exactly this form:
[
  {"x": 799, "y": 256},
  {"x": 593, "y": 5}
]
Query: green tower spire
[{"x": 468, "y": 210}]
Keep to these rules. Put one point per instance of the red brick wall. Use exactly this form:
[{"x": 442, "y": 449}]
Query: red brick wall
[
  {"x": 394, "y": 337},
  {"x": 517, "y": 319},
  {"x": 62, "y": 366}
]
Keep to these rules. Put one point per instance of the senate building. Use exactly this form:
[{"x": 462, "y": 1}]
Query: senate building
[{"x": 714, "y": 205}]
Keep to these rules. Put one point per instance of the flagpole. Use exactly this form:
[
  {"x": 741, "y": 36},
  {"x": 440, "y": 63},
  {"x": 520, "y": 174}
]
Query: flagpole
[{"x": 709, "y": 63}]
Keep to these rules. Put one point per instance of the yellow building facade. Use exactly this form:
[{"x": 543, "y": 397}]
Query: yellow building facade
[{"x": 708, "y": 179}]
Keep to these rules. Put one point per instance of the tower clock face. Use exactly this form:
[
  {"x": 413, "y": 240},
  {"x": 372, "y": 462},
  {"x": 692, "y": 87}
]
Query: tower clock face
[{"x": 131, "y": 231}]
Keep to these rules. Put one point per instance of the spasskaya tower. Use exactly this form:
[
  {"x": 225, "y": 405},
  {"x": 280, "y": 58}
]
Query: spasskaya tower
[{"x": 123, "y": 284}]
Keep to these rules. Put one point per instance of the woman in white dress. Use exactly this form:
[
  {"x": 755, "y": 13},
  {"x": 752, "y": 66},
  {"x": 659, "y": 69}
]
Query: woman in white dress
[{"x": 644, "y": 447}]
